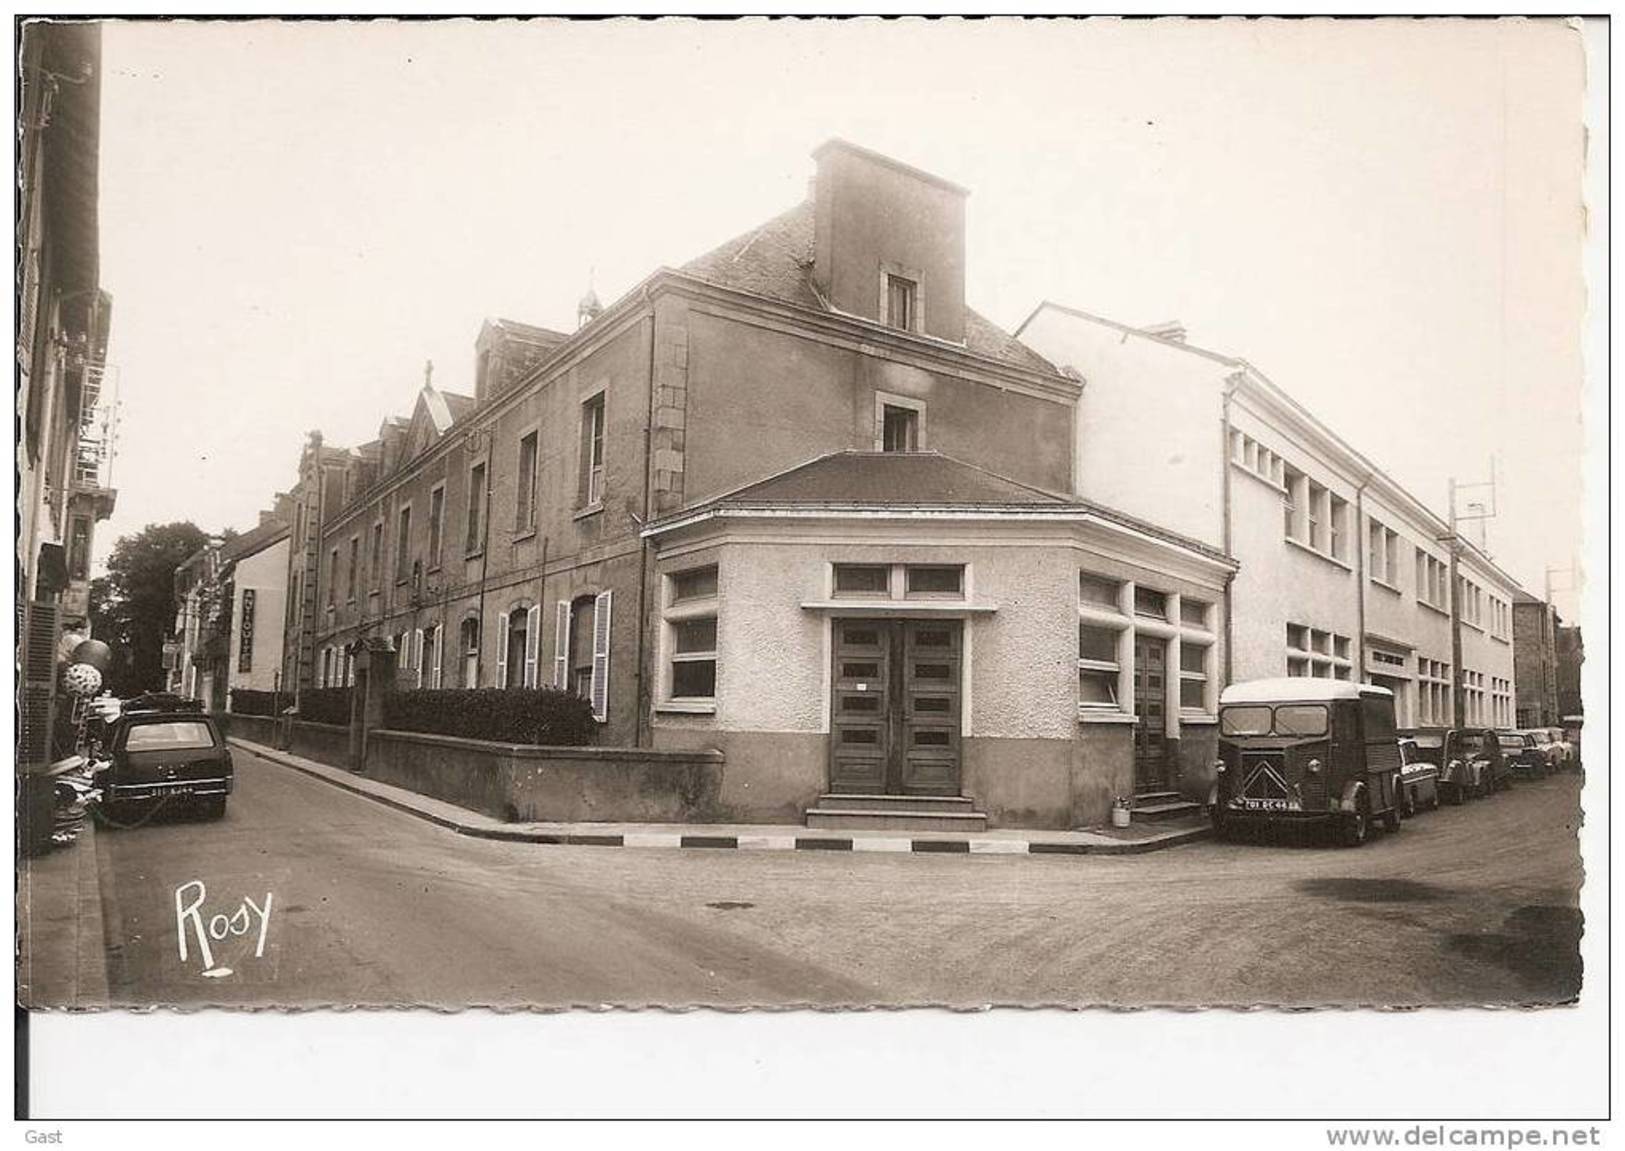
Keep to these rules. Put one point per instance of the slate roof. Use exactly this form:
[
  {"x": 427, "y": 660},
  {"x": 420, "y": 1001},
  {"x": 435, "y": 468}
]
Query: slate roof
[
  {"x": 254, "y": 540},
  {"x": 776, "y": 260},
  {"x": 531, "y": 333},
  {"x": 458, "y": 404},
  {"x": 921, "y": 479}
]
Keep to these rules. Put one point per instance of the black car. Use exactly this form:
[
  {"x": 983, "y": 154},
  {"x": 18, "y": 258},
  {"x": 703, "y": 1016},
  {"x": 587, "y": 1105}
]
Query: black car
[
  {"x": 1470, "y": 762},
  {"x": 1524, "y": 755},
  {"x": 162, "y": 757}
]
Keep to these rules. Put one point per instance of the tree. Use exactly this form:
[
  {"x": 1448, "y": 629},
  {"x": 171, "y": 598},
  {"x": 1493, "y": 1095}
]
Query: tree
[{"x": 132, "y": 607}]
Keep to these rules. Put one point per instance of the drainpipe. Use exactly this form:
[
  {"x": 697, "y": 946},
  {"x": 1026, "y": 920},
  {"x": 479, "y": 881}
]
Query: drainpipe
[
  {"x": 1230, "y": 385},
  {"x": 1359, "y": 543},
  {"x": 1458, "y": 705},
  {"x": 487, "y": 439},
  {"x": 642, "y": 736}
]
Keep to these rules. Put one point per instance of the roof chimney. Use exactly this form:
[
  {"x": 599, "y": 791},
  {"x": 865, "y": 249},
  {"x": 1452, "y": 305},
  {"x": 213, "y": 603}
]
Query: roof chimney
[
  {"x": 889, "y": 241},
  {"x": 1167, "y": 330}
]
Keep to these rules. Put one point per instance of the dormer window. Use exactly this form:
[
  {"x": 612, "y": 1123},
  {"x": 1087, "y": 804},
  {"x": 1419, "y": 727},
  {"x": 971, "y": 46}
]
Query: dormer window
[
  {"x": 900, "y": 430},
  {"x": 902, "y": 302}
]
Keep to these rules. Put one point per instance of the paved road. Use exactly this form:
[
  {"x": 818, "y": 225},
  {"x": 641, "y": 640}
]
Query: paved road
[{"x": 370, "y": 906}]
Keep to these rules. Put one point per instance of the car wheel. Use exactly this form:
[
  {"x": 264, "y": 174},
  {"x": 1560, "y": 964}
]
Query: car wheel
[
  {"x": 1356, "y": 828},
  {"x": 1390, "y": 819},
  {"x": 1434, "y": 804},
  {"x": 1407, "y": 806},
  {"x": 214, "y": 807},
  {"x": 1457, "y": 796}
]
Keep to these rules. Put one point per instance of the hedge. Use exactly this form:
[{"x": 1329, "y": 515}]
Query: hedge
[
  {"x": 247, "y": 701},
  {"x": 325, "y": 705},
  {"x": 545, "y": 717}
]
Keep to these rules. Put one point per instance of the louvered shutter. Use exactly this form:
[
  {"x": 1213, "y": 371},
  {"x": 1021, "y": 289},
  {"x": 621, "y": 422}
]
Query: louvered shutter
[
  {"x": 502, "y": 649},
  {"x": 438, "y": 652},
  {"x": 600, "y": 657},
  {"x": 533, "y": 642},
  {"x": 41, "y": 626},
  {"x": 417, "y": 656},
  {"x": 561, "y": 645}
]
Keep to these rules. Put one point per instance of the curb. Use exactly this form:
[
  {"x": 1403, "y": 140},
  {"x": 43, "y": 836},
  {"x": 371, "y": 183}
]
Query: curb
[
  {"x": 754, "y": 841},
  {"x": 91, "y": 972}
]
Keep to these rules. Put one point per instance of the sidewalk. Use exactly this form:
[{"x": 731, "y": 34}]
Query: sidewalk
[
  {"x": 744, "y": 837},
  {"x": 61, "y": 944}
]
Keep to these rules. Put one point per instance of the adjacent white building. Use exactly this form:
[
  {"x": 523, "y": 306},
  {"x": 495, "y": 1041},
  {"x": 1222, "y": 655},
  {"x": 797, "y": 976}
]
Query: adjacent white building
[
  {"x": 258, "y": 608},
  {"x": 1343, "y": 574}
]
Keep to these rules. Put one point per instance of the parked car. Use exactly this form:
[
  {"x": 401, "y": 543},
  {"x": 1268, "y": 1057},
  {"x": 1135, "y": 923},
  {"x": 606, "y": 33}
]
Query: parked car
[
  {"x": 1301, "y": 750},
  {"x": 1550, "y": 749},
  {"x": 1418, "y": 779},
  {"x": 1565, "y": 747},
  {"x": 1470, "y": 761},
  {"x": 156, "y": 757},
  {"x": 1524, "y": 755}
]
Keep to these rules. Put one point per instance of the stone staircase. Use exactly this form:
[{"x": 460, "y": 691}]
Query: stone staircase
[
  {"x": 1161, "y": 806},
  {"x": 896, "y": 813}
]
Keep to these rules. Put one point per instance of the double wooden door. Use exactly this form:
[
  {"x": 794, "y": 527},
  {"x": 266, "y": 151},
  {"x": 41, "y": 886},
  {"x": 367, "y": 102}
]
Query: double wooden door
[{"x": 895, "y": 707}]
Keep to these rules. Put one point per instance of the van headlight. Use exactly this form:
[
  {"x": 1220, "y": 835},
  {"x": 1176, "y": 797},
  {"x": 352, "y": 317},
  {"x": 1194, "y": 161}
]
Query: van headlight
[
  {"x": 1218, "y": 767},
  {"x": 1313, "y": 766}
]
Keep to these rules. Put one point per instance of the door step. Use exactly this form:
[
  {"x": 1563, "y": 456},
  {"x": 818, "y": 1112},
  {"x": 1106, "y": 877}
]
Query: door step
[
  {"x": 949, "y": 803},
  {"x": 896, "y": 813},
  {"x": 1157, "y": 806}
]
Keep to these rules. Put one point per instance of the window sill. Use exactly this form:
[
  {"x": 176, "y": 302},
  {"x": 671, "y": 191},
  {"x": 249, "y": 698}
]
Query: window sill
[
  {"x": 1105, "y": 715},
  {"x": 1386, "y": 586},
  {"x": 1500, "y": 639},
  {"x": 474, "y": 555},
  {"x": 432, "y": 571},
  {"x": 1197, "y": 718},
  {"x": 687, "y": 707},
  {"x": 1269, "y": 483},
  {"x": 1434, "y": 607},
  {"x": 522, "y": 536},
  {"x": 1319, "y": 555},
  {"x": 589, "y": 510}
]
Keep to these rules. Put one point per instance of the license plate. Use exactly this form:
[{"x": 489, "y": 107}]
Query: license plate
[{"x": 1267, "y": 804}]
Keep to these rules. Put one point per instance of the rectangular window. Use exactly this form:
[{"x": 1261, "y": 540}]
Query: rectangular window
[
  {"x": 692, "y": 634},
  {"x": 1097, "y": 591},
  {"x": 1097, "y": 689},
  {"x": 1097, "y": 646},
  {"x": 377, "y": 553},
  {"x": 1339, "y": 526},
  {"x": 900, "y": 429},
  {"x": 1292, "y": 503},
  {"x": 1193, "y": 612},
  {"x": 1192, "y": 694},
  {"x": 476, "y": 510},
  {"x": 437, "y": 523},
  {"x": 79, "y": 549},
  {"x": 1149, "y": 603},
  {"x": 525, "y": 507},
  {"x": 333, "y": 577},
  {"x": 862, "y": 579},
  {"x": 943, "y": 580},
  {"x": 1317, "y": 516},
  {"x": 355, "y": 564},
  {"x": 592, "y": 451},
  {"x": 403, "y": 546},
  {"x": 901, "y": 296}
]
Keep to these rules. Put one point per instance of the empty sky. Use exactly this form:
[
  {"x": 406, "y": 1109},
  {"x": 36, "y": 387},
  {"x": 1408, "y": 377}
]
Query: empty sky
[{"x": 1384, "y": 217}]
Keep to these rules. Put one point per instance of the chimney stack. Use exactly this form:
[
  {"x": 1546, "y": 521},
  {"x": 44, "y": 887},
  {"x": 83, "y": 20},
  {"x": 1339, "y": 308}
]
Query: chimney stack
[{"x": 1167, "y": 330}]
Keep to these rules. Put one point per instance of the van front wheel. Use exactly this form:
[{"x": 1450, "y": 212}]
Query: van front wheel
[{"x": 1357, "y": 827}]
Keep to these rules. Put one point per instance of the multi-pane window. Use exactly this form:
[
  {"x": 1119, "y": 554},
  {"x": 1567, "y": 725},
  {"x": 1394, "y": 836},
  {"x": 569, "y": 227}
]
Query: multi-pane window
[
  {"x": 525, "y": 499},
  {"x": 333, "y": 577},
  {"x": 691, "y": 634},
  {"x": 476, "y": 510},
  {"x": 1311, "y": 651},
  {"x": 935, "y": 579},
  {"x": 79, "y": 548},
  {"x": 355, "y": 564},
  {"x": 1193, "y": 675},
  {"x": 1433, "y": 692},
  {"x": 1099, "y": 591},
  {"x": 1194, "y": 612},
  {"x": 1252, "y": 456},
  {"x": 1110, "y": 614},
  {"x": 592, "y": 451},
  {"x": 1098, "y": 665},
  {"x": 1382, "y": 554},
  {"x": 862, "y": 579},
  {"x": 468, "y": 642},
  {"x": 1338, "y": 518},
  {"x": 1150, "y": 603},
  {"x": 1432, "y": 581},
  {"x": 1317, "y": 516},
  {"x": 901, "y": 302},
  {"x": 1294, "y": 502},
  {"x": 403, "y": 545},
  {"x": 899, "y": 429},
  {"x": 437, "y": 523}
]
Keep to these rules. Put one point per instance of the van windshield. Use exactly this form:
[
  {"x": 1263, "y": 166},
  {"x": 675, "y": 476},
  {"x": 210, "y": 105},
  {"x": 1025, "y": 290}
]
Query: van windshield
[
  {"x": 1295, "y": 719},
  {"x": 176, "y": 735}
]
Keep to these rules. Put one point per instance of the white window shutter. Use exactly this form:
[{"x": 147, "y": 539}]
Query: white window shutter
[
  {"x": 438, "y": 651},
  {"x": 502, "y": 649},
  {"x": 417, "y": 656},
  {"x": 600, "y": 657},
  {"x": 561, "y": 645},
  {"x": 533, "y": 642}
]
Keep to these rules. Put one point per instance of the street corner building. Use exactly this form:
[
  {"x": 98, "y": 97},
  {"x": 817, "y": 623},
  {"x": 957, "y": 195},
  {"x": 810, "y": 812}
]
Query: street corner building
[{"x": 795, "y": 517}]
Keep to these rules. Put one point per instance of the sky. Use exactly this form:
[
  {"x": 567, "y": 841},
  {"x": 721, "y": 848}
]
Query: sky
[{"x": 1384, "y": 217}]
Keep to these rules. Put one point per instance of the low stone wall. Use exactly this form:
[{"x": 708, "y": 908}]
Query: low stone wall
[
  {"x": 327, "y": 743},
  {"x": 261, "y": 729},
  {"x": 567, "y": 784}
]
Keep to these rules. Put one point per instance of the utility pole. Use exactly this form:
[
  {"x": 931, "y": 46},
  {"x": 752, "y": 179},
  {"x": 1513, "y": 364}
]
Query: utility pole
[{"x": 1480, "y": 512}]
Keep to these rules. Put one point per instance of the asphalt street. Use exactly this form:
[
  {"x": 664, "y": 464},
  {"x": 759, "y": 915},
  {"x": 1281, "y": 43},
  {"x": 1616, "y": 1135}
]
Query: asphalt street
[{"x": 369, "y": 906}]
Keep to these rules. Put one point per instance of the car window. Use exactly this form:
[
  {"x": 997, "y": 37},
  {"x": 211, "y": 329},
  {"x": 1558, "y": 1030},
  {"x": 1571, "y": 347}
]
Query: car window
[
  {"x": 1253, "y": 720},
  {"x": 173, "y": 735},
  {"x": 1430, "y": 742},
  {"x": 1300, "y": 719},
  {"x": 1512, "y": 741}
]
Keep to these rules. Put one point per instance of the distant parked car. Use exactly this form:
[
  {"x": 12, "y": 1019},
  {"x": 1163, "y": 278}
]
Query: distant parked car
[
  {"x": 1471, "y": 765},
  {"x": 1418, "y": 780},
  {"x": 1524, "y": 755},
  {"x": 158, "y": 757},
  {"x": 1550, "y": 749},
  {"x": 1565, "y": 746}
]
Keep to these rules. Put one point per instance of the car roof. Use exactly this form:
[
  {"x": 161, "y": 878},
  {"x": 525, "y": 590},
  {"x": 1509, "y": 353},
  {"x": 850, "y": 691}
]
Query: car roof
[{"x": 1300, "y": 689}]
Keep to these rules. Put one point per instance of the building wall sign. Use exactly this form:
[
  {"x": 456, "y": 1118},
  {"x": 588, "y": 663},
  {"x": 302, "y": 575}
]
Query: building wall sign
[{"x": 245, "y": 642}]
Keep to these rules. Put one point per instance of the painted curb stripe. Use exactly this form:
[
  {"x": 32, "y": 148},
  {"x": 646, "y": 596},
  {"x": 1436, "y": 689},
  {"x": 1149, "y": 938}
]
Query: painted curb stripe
[
  {"x": 948, "y": 846},
  {"x": 709, "y": 841},
  {"x": 651, "y": 839},
  {"x": 879, "y": 844},
  {"x": 998, "y": 847},
  {"x": 1041, "y": 847},
  {"x": 806, "y": 844},
  {"x": 767, "y": 843}
]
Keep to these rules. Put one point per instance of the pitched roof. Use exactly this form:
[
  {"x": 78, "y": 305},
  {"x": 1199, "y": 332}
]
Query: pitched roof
[
  {"x": 530, "y": 333},
  {"x": 917, "y": 479},
  {"x": 775, "y": 260},
  {"x": 459, "y": 404},
  {"x": 254, "y": 540}
]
